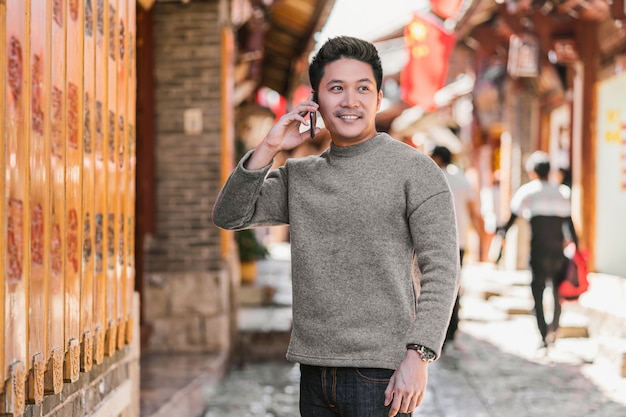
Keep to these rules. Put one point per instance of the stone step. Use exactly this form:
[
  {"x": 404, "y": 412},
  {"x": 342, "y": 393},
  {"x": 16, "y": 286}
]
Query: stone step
[
  {"x": 512, "y": 305},
  {"x": 612, "y": 351}
]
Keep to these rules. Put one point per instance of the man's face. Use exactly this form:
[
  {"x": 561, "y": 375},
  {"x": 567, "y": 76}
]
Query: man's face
[{"x": 349, "y": 101}]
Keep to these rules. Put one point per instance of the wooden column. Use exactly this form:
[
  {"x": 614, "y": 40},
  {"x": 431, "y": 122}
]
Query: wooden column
[{"x": 583, "y": 146}]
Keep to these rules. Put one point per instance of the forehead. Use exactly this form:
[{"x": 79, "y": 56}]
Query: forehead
[{"x": 347, "y": 70}]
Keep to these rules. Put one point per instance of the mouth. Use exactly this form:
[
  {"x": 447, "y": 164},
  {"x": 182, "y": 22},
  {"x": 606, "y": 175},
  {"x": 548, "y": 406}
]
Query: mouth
[{"x": 348, "y": 116}]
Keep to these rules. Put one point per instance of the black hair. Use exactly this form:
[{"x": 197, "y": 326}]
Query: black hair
[
  {"x": 443, "y": 153},
  {"x": 539, "y": 162},
  {"x": 542, "y": 169},
  {"x": 345, "y": 47}
]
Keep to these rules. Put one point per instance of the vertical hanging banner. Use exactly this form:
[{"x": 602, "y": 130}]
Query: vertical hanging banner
[
  {"x": 88, "y": 228},
  {"x": 429, "y": 47},
  {"x": 446, "y": 9},
  {"x": 73, "y": 187},
  {"x": 39, "y": 196}
]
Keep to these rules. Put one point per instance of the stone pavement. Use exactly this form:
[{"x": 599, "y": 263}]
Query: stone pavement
[{"x": 494, "y": 368}]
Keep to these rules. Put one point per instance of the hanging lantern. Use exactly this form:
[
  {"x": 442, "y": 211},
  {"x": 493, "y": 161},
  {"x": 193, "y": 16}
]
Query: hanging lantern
[{"x": 523, "y": 55}]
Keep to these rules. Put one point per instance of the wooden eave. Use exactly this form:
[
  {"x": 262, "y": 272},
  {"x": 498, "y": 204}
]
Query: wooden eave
[{"x": 292, "y": 25}]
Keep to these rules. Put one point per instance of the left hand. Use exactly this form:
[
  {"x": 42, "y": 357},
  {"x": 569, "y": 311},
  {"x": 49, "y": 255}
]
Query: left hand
[{"x": 407, "y": 386}]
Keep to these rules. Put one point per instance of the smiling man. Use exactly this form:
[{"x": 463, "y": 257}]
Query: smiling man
[{"x": 362, "y": 215}]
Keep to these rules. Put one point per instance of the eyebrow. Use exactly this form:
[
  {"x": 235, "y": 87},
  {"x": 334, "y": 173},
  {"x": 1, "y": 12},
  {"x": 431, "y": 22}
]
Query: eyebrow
[{"x": 362, "y": 80}]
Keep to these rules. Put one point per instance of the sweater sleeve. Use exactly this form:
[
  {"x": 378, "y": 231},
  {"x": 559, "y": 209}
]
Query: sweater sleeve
[
  {"x": 435, "y": 243},
  {"x": 251, "y": 198}
]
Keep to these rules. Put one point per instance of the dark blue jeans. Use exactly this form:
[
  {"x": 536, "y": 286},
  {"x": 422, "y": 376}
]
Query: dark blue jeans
[{"x": 344, "y": 392}]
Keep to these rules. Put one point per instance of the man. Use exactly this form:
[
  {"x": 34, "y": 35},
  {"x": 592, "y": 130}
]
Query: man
[
  {"x": 467, "y": 211},
  {"x": 546, "y": 206},
  {"x": 362, "y": 215}
]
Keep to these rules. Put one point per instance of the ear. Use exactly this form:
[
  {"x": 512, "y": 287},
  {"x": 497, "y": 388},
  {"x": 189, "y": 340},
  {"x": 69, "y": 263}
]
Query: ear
[{"x": 379, "y": 100}]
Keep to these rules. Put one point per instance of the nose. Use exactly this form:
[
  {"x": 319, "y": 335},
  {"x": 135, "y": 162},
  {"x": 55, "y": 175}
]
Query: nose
[{"x": 350, "y": 98}]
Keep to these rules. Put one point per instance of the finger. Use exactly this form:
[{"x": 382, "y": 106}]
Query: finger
[
  {"x": 389, "y": 391},
  {"x": 413, "y": 403},
  {"x": 419, "y": 397},
  {"x": 395, "y": 405}
]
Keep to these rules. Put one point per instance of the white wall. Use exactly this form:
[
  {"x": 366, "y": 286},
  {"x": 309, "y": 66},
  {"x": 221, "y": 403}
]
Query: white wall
[{"x": 610, "y": 239}]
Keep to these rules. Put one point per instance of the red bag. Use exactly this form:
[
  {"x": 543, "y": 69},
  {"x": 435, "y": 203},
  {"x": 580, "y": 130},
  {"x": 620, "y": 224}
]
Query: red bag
[{"x": 575, "y": 282}]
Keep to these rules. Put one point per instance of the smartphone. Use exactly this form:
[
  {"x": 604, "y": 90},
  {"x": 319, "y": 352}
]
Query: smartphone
[
  {"x": 313, "y": 122},
  {"x": 313, "y": 115}
]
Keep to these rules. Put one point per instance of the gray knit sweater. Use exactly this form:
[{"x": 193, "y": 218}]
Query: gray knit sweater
[{"x": 361, "y": 217}]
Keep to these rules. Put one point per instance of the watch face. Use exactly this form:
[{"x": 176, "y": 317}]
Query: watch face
[{"x": 427, "y": 354}]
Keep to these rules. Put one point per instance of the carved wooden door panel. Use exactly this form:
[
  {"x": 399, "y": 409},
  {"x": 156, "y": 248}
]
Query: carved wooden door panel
[
  {"x": 3, "y": 80},
  {"x": 121, "y": 156},
  {"x": 100, "y": 180},
  {"x": 67, "y": 141},
  {"x": 58, "y": 157},
  {"x": 16, "y": 201},
  {"x": 73, "y": 187},
  {"x": 88, "y": 165},
  {"x": 40, "y": 209}
]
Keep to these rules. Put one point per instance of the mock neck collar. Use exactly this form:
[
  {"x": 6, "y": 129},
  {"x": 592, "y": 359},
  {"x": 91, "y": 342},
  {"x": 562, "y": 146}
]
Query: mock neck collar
[{"x": 359, "y": 148}]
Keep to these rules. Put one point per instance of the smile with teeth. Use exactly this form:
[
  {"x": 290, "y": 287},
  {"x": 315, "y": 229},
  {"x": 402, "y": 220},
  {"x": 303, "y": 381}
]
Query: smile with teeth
[{"x": 348, "y": 117}]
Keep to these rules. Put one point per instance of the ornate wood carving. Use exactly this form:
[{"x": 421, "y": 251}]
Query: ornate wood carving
[
  {"x": 36, "y": 378},
  {"x": 71, "y": 369},
  {"x": 86, "y": 352},
  {"x": 110, "y": 339},
  {"x": 98, "y": 353},
  {"x": 121, "y": 335},
  {"x": 130, "y": 323},
  {"x": 53, "y": 379},
  {"x": 15, "y": 386}
]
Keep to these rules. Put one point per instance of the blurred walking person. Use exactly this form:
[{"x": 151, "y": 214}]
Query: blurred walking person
[
  {"x": 547, "y": 207},
  {"x": 466, "y": 206}
]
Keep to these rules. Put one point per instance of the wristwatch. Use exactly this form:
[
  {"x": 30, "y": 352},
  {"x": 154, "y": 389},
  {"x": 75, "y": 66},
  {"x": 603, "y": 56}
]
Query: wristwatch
[{"x": 426, "y": 354}]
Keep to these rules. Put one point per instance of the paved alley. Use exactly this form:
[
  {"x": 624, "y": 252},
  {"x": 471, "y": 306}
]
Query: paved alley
[{"x": 494, "y": 368}]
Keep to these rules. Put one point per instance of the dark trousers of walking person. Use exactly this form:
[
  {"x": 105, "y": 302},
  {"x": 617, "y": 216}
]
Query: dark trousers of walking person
[
  {"x": 344, "y": 392},
  {"x": 547, "y": 268},
  {"x": 453, "y": 326}
]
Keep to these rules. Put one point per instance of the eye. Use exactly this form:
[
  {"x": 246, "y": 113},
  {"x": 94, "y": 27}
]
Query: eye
[
  {"x": 336, "y": 88},
  {"x": 364, "y": 88}
]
